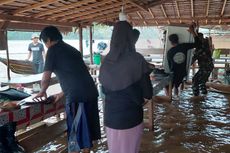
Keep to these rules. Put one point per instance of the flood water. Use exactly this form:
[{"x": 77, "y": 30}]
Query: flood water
[{"x": 181, "y": 126}]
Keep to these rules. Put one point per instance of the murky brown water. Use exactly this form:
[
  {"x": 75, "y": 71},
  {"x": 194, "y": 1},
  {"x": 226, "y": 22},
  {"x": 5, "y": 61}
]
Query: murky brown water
[{"x": 181, "y": 127}]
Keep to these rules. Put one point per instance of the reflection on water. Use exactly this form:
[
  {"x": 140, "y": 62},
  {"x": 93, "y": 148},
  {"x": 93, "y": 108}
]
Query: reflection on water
[
  {"x": 198, "y": 126},
  {"x": 183, "y": 127}
]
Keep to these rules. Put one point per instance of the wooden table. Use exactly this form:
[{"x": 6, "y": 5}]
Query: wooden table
[{"x": 30, "y": 114}]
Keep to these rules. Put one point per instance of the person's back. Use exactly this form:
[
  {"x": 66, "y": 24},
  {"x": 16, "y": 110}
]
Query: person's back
[
  {"x": 124, "y": 75},
  {"x": 177, "y": 58},
  {"x": 72, "y": 72}
]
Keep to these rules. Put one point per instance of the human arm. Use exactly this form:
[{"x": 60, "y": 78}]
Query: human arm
[
  {"x": 43, "y": 51},
  {"x": 146, "y": 86},
  {"x": 29, "y": 55},
  {"x": 170, "y": 60},
  {"x": 44, "y": 55},
  {"x": 193, "y": 29}
]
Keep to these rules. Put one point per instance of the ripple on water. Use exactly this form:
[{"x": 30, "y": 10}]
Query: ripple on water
[{"x": 182, "y": 126}]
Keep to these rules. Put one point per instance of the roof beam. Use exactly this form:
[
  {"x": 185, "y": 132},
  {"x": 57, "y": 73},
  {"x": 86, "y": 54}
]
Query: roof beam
[
  {"x": 222, "y": 10},
  {"x": 207, "y": 10},
  {"x": 34, "y": 6},
  {"x": 187, "y": 20},
  {"x": 156, "y": 2},
  {"x": 137, "y": 5},
  {"x": 108, "y": 17},
  {"x": 151, "y": 13},
  {"x": 163, "y": 10},
  {"x": 192, "y": 8},
  {"x": 64, "y": 8},
  {"x": 5, "y": 1},
  {"x": 105, "y": 13},
  {"x": 93, "y": 11},
  {"x": 36, "y": 21},
  {"x": 177, "y": 9},
  {"x": 4, "y": 24},
  {"x": 33, "y": 27},
  {"x": 139, "y": 14}
]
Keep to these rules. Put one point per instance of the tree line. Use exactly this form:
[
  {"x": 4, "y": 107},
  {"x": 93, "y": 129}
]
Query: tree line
[{"x": 99, "y": 32}]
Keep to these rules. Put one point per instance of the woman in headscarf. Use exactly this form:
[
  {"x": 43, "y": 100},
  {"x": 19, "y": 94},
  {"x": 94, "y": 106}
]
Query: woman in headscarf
[{"x": 124, "y": 75}]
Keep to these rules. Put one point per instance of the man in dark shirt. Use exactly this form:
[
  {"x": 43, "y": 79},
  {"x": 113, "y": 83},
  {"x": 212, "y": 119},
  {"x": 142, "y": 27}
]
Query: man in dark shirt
[
  {"x": 177, "y": 58},
  {"x": 78, "y": 88}
]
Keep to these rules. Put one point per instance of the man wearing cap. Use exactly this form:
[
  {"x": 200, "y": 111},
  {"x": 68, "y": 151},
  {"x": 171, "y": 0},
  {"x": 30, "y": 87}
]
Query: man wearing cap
[{"x": 37, "y": 49}]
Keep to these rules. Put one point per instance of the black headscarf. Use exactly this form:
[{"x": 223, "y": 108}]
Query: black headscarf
[{"x": 122, "y": 66}]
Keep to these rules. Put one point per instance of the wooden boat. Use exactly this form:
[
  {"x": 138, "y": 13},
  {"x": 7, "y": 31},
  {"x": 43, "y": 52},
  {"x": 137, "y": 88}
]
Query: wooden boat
[{"x": 19, "y": 66}]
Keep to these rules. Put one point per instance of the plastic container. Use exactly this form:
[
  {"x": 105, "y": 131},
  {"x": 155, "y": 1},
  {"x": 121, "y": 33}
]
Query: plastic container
[{"x": 97, "y": 58}]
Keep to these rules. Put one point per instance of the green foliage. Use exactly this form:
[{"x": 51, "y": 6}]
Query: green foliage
[{"x": 99, "y": 32}]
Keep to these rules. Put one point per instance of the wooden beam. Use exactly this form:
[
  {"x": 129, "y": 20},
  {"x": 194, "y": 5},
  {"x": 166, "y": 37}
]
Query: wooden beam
[
  {"x": 115, "y": 11},
  {"x": 66, "y": 7},
  {"x": 163, "y": 10},
  {"x": 192, "y": 10},
  {"x": 107, "y": 17},
  {"x": 82, "y": 10},
  {"x": 139, "y": 14},
  {"x": 78, "y": 11},
  {"x": 80, "y": 31},
  {"x": 33, "y": 27},
  {"x": 4, "y": 25},
  {"x": 156, "y": 3},
  {"x": 177, "y": 10},
  {"x": 201, "y": 19},
  {"x": 134, "y": 3},
  {"x": 34, "y": 6},
  {"x": 222, "y": 10},
  {"x": 5, "y": 1},
  {"x": 151, "y": 13},
  {"x": 91, "y": 44},
  {"x": 4, "y": 46},
  {"x": 41, "y": 137},
  {"x": 207, "y": 10},
  {"x": 94, "y": 12},
  {"x": 36, "y": 21}
]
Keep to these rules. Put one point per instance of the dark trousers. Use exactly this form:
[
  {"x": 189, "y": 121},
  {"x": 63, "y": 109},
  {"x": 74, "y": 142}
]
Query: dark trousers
[{"x": 199, "y": 80}]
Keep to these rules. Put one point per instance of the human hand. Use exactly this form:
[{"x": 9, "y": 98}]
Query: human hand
[
  {"x": 191, "y": 28},
  {"x": 41, "y": 96}
]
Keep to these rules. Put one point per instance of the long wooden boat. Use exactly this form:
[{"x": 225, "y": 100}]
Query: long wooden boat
[{"x": 19, "y": 66}]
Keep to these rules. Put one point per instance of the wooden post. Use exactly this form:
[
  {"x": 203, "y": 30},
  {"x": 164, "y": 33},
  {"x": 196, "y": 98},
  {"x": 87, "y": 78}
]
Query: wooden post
[
  {"x": 80, "y": 40},
  {"x": 91, "y": 44},
  {"x": 4, "y": 46}
]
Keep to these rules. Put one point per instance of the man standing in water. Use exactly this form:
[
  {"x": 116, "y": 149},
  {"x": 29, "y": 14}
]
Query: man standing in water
[
  {"x": 177, "y": 57},
  {"x": 78, "y": 89},
  {"x": 37, "y": 49},
  {"x": 203, "y": 56}
]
